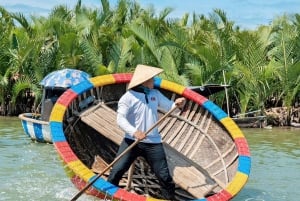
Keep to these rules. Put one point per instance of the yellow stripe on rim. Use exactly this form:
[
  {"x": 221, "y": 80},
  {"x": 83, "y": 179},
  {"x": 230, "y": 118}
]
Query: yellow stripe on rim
[
  {"x": 232, "y": 128},
  {"x": 171, "y": 86},
  {"x": 58, "y": 112},
  {"x": 102, "y": 80},
  {"x": 81, "y": 170},
  {"x": 237, "y": 183},
  {"x": 152, "y": 199}
]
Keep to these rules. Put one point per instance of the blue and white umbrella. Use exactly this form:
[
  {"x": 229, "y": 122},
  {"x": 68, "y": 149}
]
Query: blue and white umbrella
[{"x": 64, "y": 78}]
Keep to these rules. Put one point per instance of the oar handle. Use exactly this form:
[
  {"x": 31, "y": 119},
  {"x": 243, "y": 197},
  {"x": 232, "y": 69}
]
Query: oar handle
[{"x": 121, "y": 155}]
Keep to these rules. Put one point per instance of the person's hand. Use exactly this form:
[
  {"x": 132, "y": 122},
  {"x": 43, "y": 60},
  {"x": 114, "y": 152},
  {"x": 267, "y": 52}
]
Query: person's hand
[
  {"x": 139, "y": 135},
  {"x": 180, "y": 102}
]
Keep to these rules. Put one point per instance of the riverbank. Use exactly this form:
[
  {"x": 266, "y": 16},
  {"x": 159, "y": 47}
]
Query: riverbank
[
  {"x": 282, "y": 116},
  {"x": 276, "y": 117}
]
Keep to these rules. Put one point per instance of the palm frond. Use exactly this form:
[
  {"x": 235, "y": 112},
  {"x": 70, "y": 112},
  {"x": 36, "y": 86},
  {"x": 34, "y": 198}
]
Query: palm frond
[
  {"x": 20, "y": 18},
  {"x": 91, "y": 54},
  {"x": 121, "y": 54},
  {"x": 148, "y": 38}
]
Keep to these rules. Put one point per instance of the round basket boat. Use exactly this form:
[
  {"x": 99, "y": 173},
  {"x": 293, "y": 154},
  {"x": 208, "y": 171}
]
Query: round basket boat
[{"x": 207, "y": 153}]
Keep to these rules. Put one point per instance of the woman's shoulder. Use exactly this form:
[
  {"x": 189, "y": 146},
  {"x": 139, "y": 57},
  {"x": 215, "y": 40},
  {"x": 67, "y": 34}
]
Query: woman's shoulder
[
  {"x": 131, "y": 95},
  {"x": 156, "y": 91}
]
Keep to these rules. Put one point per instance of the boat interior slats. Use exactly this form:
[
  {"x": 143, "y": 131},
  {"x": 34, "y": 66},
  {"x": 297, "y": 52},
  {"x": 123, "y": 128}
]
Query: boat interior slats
[
  {"x": 190, "y": 135},
  {"x": 195, "y": 134},
  {"x": 224, "y": 154},
  {"x": 190, "y": 177},
  {"x": 176, "y": 133},
  {"x": 166, "y": 126},
  {"x": 195, "y": 180}
]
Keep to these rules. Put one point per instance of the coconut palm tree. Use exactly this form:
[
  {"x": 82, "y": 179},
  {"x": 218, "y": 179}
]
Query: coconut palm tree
[
  {"x": 251, "y": 71},
  {"x": 155, "y": 51},
  {"x": 23, "y": 54},
  {"x": 286, "y": 57},
  {"x": 6, "y": 25},
  {"x": 212, "y": 50}
]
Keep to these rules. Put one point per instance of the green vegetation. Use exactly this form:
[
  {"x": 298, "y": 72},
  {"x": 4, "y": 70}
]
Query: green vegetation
[{"x": 261, "y": 65}]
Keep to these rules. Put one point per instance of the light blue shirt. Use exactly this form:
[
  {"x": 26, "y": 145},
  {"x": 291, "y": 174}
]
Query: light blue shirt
[{"x": 134, "y": 113}]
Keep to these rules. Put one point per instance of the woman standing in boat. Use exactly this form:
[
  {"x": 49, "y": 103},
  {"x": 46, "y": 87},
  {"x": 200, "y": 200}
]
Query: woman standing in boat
[{"x": 137, "y": 112}]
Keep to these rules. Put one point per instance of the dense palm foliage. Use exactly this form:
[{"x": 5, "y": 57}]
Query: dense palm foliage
[{"x": 261, "y": 65}]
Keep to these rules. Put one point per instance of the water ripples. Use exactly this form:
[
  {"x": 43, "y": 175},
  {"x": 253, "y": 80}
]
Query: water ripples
[{"x": 33, "y": 172}]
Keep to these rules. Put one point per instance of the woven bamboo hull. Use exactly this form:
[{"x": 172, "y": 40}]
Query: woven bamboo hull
[
  {"x": 36, "y": 129},
  {"x": 207, "y": 153}
]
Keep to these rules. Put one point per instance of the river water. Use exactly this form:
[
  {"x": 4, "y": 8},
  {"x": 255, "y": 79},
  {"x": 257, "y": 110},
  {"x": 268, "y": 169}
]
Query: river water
[{"x": 33, "y": 171}]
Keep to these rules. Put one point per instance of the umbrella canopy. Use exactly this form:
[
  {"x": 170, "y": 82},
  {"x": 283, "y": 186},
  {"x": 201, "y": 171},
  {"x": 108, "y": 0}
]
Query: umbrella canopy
[{"x": 64, "y": 78}]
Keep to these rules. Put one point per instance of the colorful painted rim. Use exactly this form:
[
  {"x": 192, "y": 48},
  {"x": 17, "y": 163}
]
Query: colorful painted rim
[
  {"x": 84, "y": 174},
  {"x": 35, "y": 129}
]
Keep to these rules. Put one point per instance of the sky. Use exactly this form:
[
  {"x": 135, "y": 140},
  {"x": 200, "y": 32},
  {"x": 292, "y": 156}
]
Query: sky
[{"x": 247, "y": 14}]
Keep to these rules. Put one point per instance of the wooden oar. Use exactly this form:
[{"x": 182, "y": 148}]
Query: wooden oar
[{"x": 120, "y": 156}]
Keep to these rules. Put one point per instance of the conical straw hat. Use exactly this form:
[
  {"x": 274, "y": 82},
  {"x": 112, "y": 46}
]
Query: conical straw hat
[{"x": 143, "y": 73}]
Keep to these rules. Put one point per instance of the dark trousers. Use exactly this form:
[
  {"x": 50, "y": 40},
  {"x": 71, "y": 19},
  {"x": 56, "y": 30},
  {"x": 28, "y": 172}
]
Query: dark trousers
[{"x": 154, "y": 155}]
